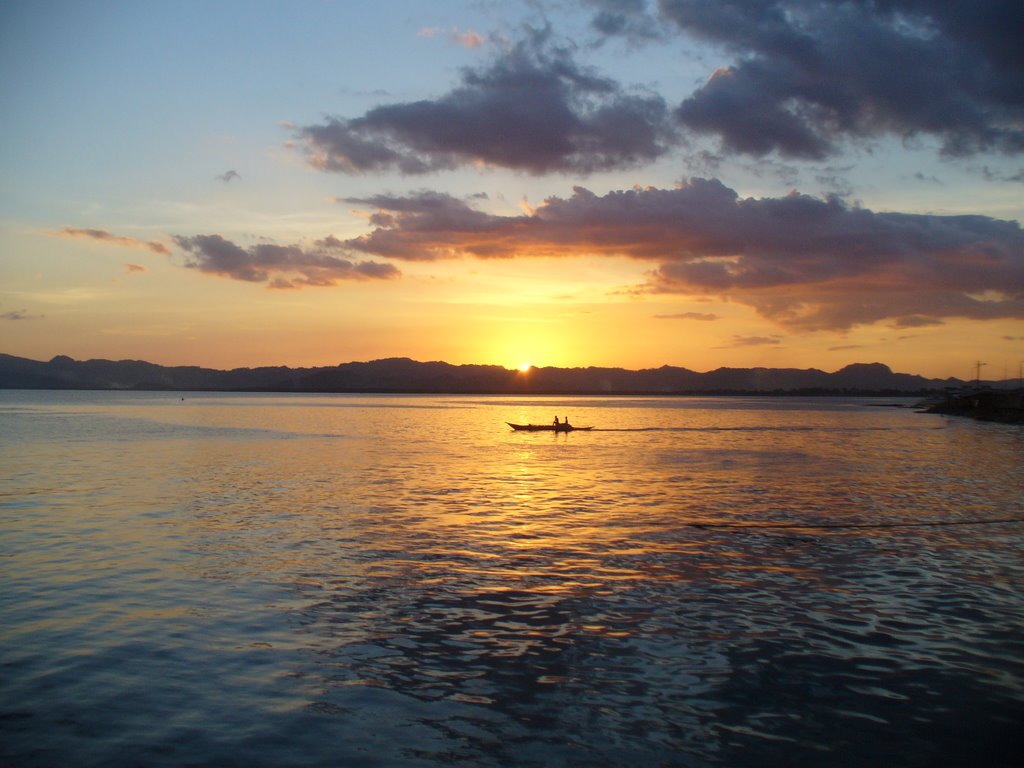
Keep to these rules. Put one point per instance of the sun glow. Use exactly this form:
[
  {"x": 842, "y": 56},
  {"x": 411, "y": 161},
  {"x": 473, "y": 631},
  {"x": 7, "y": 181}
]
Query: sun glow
[{"x": 525, "y": 368}]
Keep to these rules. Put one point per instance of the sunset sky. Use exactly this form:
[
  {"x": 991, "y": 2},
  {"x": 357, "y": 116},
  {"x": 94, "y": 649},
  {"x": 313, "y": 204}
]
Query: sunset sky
[{"x": 699, "y": 183}]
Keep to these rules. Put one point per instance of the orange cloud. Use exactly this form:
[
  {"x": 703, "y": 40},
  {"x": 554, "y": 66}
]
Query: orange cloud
[
  {"x": 467, "y": 38},
  {"x": 120, "y": 240},
  {"x": 801, "y": 261}
]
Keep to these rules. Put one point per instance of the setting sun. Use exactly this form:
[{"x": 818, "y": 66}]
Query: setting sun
[{"x": 525, "y": 367}]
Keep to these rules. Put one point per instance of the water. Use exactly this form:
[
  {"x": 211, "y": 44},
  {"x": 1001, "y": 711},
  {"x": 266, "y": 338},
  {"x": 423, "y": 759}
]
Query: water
[{"x": 403, "y": 581}]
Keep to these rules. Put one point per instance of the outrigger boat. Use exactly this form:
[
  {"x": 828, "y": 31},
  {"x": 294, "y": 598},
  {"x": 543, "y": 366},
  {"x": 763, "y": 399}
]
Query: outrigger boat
[{"x": 560, "y": 427}]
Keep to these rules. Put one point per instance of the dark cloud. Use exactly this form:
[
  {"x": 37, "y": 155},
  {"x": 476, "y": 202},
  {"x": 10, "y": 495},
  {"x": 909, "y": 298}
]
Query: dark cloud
[
  {"x": 280, "y": 266},
  {"x": 801, "y": 261},
  {"x": 915, "y": 321},
  {"x": 631, "y": 19},
  {"x": 806, "y": 73},
  {"x": 103, "y": 235},
  {"x": 229, "y": 176},
  {"x": 999, "y": 175},
  {"x": 432, "y": 225},
  {"x": 799, "y": 78},
  {"x": 18, "y": 314},
  {"x": 533, "y": 110}
]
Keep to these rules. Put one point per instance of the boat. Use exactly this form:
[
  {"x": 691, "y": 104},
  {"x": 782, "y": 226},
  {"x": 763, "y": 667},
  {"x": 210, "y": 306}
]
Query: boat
[{"x": 560, "y": 427}]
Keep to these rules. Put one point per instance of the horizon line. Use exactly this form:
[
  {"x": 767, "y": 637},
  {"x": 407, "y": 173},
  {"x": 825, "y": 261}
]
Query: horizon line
[{"x": 510, "y": 370}]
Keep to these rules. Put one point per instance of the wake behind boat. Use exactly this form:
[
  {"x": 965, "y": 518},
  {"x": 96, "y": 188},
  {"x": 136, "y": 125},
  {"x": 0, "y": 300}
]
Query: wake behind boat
[{"x": 560, "y": 427}]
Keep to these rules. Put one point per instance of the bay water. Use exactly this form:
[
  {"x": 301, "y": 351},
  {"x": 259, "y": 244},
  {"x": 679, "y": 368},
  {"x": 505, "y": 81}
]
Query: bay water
[{"x": 348, "y": 580}]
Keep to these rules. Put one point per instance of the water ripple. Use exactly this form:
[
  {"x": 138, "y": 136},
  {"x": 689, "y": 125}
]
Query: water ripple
[{"x": 714, "y": 583}]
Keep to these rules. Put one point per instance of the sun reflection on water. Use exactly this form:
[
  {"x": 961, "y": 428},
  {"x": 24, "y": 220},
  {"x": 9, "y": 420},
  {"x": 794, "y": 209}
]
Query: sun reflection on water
[{"x": 408, "y": 576}]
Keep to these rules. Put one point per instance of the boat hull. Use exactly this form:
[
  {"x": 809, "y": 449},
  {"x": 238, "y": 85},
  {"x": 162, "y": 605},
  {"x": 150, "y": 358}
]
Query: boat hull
[{"x": 546, "y": 427}]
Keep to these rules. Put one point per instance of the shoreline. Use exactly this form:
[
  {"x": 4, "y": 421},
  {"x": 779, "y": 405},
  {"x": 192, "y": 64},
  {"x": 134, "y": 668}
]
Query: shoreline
[{"x": 1004, "y": 407}]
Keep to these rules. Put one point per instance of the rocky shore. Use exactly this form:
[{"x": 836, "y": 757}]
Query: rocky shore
[{"x": 1003, "y": 406}]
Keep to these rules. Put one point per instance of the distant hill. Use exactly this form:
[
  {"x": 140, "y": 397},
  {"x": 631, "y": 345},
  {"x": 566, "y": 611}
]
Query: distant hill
[{"x": 409, "y": 376}]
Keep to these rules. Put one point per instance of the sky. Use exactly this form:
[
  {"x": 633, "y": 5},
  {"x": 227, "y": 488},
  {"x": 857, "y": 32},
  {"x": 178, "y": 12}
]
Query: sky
[{"x": 637, "y": 183}]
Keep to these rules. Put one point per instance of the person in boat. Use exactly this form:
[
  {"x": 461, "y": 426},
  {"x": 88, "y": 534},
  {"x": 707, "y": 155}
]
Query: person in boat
[{"x": 556, "y": 422}]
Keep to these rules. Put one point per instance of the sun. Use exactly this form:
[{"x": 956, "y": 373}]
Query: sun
[{"x": 525, "y": 367}]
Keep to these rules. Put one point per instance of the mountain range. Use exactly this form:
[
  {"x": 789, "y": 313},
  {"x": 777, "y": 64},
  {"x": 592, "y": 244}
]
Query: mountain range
[{"x": 402, "y": 375}]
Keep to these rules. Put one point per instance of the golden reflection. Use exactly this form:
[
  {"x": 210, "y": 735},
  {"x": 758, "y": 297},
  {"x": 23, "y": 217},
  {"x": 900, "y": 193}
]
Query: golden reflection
[{"x": 416, "y": 549}]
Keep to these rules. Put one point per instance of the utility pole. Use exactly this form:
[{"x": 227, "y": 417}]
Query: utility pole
[{"x": 977, "y": 374}]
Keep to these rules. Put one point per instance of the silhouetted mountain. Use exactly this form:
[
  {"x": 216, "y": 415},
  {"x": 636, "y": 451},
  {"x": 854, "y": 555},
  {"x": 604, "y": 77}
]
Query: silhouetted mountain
[{"x": 405, "y": 375}]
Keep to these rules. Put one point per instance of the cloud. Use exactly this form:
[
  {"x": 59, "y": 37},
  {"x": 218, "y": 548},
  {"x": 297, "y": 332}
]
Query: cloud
[
  {"x": 801, "y": 261},
  {"x": 630, "y": 19},
  {"x": 915, "y": 321},
  {"x": 999, "y": 175},
  {"x": 18, "y": 314},
  {"x": 753, "y": 341},
  {"x": 229, "y": 176},
  {"x": 705, "y": 316},
  {"x": 796, "y": 79},
  {"x": 533, "y": 109},
  {"x": 134, "y": 268},
  {"x": 103, "y": 235},
  {"x": 280, "y": 266},
  {"x": 805, "y": 75},
  {"x": 466, "y": 38}
]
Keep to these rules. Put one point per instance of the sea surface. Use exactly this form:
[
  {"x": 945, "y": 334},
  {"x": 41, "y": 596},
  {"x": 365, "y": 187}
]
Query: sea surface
[{"x": 339, "y": 580}]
